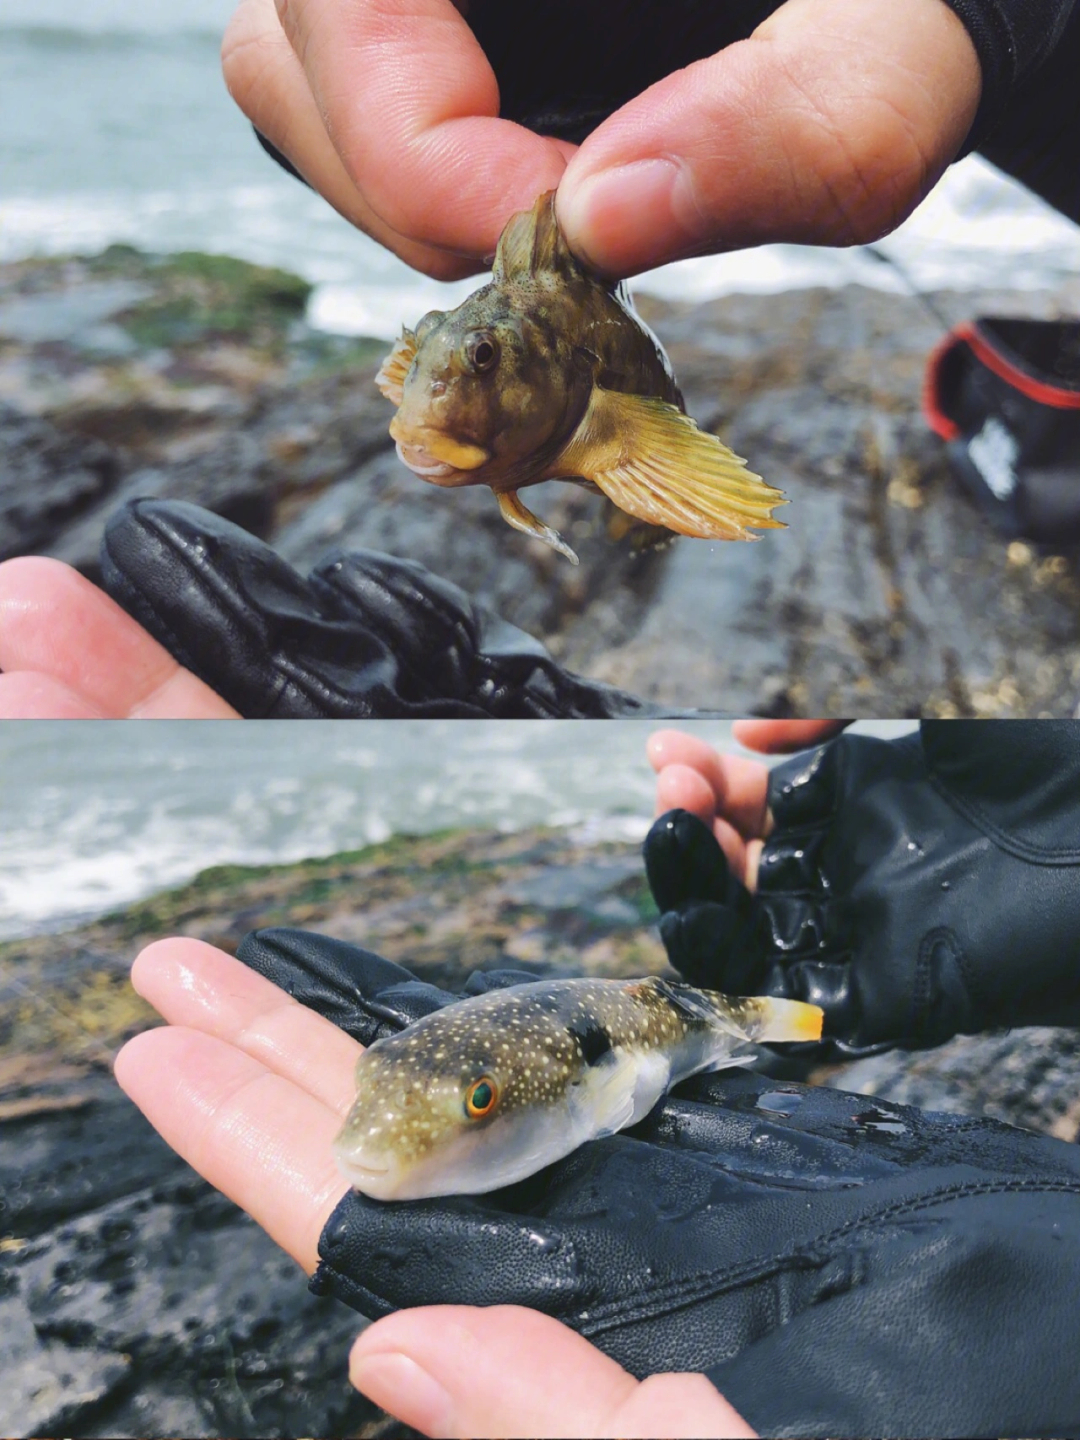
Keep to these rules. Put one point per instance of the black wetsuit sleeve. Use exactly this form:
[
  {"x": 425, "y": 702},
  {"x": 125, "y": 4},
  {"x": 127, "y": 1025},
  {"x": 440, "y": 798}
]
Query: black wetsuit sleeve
[
  {"x": 1037, "y": 137},
  {"x": 1013, "y": 39}
]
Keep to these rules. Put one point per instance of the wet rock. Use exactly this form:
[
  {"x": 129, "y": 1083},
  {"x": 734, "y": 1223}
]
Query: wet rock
[
  {"x": 50, "y": 477},
  {"x": 1028, "y": 1077},
  {"x": 75, "y": 315},
  {"x": 49, "y": 1384}
]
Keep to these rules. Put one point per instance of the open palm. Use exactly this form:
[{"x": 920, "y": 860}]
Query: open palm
[{"x": 250, "y": 1088}]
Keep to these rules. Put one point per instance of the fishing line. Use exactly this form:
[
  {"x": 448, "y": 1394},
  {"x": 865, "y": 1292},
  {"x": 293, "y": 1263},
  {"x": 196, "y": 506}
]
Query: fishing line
[{"x": 884, "y": 258}]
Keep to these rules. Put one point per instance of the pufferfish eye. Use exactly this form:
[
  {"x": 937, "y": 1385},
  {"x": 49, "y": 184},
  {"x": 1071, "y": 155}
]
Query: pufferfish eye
[
  {"x": 481, "y": 1098},
  {"x": 481, "y": 351}
]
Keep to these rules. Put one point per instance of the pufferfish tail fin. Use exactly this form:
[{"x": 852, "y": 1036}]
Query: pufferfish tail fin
[
  {"x": 654, "y": 462},
  {"x": 390, "y": 376},
  {"x": 787, "y": 1020},
  {"x": 764, "y": 1019}
]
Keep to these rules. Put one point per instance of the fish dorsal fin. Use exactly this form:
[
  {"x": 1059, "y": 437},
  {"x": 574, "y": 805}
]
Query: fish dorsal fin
[
  {"x": 517, "y": 514},
  {"x": 532, "y": 242},
  {"x": 654, "y": 462},
  {"x": 390, "y": 377}
]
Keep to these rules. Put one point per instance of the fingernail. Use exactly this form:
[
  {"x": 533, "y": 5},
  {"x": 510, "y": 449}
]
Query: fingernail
[
  {"x": 623, "y": 218},
  {"x": 400, "y": 1385}
]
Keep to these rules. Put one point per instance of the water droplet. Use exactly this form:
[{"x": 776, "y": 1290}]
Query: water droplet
[
  {"x": 881, "y": 1121},
  {"x": 779, "y": 1102},
  {"x": 544, "y": 1243}
]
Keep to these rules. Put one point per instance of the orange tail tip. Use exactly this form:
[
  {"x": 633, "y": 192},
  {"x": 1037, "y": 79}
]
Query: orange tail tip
[{"x": 790, "y": 1020}]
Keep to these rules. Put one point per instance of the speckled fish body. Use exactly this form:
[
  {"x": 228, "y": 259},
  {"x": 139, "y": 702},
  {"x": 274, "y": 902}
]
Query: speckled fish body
[
  {"x": 491, "y": 1089},
  {"x": 547, "y": 373}
]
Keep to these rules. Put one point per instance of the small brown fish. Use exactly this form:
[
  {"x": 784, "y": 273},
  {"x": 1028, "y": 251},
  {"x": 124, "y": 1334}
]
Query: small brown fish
[{"x": 549, "y": 373}]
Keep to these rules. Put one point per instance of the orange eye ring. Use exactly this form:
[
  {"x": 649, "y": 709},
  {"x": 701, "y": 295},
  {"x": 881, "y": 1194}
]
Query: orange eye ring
[{"x": 481, "y": 1097}]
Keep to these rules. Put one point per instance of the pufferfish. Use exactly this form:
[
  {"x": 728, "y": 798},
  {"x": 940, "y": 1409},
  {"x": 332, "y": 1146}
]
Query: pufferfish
[
  {"x": 489, "y": 1090},
  {"x": 549, "y": 373}
]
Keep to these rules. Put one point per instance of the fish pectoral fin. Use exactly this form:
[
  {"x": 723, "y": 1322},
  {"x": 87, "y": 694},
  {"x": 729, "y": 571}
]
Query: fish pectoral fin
[
  {"x": 606, "y": 1099},
  {"x": 521, "y": 518},
  {"x": 654, "y": 462},
  {"x": 390, "y": 376}
]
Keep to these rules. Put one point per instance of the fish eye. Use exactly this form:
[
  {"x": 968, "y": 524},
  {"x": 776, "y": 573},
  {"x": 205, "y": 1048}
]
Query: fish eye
[
  {"x": 481, "y": 1098},
  {"x": 481, "y": 351}
]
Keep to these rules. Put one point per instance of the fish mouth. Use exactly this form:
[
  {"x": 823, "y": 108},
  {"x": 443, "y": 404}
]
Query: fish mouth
[
  {"x": 422, "y": 462},
  {"x": 433, "y": 454},
  {"x": 361, "y": 1176}
]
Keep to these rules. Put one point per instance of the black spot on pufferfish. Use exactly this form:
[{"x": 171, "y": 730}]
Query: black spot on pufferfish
[{"x": 594, "y": 1040}]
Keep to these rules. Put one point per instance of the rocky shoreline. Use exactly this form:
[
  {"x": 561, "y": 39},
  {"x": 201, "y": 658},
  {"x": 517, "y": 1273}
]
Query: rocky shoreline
[
  {"x": 134, "y": 1300},
  {"x": 195, "y": 377}
]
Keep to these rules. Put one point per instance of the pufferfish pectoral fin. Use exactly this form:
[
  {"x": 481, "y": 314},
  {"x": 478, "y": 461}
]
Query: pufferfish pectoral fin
[
  {"x": 390, "y": 377},
  {"x": 618, "y": 1091},
  {"x": 522, "y": 518},
  {"x": 654, "y": 462}
]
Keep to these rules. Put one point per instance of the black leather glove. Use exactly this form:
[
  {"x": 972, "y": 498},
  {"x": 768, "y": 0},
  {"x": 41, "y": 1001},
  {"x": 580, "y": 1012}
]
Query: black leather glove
[
  {"x": 835, "y": 1267},
  {"x": 913, "y": 888},
  {"x": 364, "y": 636}
]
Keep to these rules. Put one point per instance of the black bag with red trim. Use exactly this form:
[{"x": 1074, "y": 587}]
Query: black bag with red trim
[{"x": 1004, "y": 394}]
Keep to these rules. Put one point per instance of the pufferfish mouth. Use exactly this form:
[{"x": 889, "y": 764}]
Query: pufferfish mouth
[{"x": 356, "y": 1172}]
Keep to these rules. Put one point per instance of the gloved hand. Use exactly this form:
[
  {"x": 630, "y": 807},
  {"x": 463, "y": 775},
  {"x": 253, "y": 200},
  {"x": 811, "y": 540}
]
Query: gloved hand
[
  {"x": 365, "y": 635},
  {"x": 834, "y": 1267},
  {"x": 913, "y": 888}
]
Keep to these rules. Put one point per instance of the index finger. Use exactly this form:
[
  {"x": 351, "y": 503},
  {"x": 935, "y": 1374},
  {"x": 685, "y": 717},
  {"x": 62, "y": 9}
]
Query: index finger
[
  {"x": 411, "y": 104},
  {"x": 740, "y": 785}
]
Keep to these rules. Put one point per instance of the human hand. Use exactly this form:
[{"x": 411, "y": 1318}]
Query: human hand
[
  {"x": 913, "y": 888},
  {"x": 68, "y": 652},
  {"x": 809, "y": 1248},
  {"x": 729, "y": 793},
  {"x": 251, "y": 1087},
  {"x": 826, "y": 123}
]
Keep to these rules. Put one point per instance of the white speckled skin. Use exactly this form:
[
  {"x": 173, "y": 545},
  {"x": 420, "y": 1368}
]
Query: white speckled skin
[{"x": 567, "y": 1060}]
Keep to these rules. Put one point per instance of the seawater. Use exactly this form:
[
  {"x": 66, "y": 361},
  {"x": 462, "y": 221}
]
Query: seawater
[
  {"x": 115, "y": 126},
  {"x": 96, "y": 815}
]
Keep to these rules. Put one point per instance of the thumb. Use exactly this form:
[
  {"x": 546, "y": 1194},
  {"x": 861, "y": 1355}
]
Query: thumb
[
  {"x": 828, "y": 126},
  {"x": 453, "y": 1370},
  {"x": 781, "y": 737}
]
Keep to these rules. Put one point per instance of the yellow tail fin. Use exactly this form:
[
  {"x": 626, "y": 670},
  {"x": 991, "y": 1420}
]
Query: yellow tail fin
[{"x": 789, "y": 1020}]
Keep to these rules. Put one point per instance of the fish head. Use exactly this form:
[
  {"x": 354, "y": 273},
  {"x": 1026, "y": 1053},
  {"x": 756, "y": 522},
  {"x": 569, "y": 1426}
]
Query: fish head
[
  {"x": 455, "y": 1106},
  {"x": 485, "y": 392}
]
